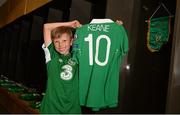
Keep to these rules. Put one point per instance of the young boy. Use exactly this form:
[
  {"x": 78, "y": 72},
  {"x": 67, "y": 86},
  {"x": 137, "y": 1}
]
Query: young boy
[{"x": 61, "y": 95}]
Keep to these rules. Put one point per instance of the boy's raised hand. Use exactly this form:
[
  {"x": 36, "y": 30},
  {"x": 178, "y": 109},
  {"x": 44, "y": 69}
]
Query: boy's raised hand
[
  {"x": 76, "y": 24},
  {"x": 48, "y": 27},
  {"x": 119, "y": 22}
]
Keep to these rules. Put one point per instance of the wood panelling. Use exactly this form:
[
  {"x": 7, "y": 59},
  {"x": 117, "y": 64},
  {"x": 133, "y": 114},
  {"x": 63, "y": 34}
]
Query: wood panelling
[
  {"x": 32, "y": 5},
  {"x": 13, "y": 104},
  {"x": 14, "y": 9},
  {"x": 3, "y": 13}
]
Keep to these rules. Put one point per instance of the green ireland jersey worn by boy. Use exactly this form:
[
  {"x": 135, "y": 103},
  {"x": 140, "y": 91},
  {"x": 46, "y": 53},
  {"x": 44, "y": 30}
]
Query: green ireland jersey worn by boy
[
  {"x": 62, "y": 86},
  {"x": 99, "y": 48}
]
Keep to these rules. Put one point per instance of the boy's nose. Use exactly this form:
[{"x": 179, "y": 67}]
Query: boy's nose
[{"x": 60, "y": 44}]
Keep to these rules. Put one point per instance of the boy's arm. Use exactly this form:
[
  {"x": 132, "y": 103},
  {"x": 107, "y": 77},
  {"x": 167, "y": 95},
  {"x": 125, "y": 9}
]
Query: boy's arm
[{"x": 48, "y": 27}]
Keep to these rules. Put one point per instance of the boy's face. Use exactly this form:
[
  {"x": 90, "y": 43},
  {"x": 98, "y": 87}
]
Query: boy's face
[{"x": 63, "y": 44}]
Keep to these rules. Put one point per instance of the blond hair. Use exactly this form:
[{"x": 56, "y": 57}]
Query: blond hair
[{"x": 58, "y": 31}]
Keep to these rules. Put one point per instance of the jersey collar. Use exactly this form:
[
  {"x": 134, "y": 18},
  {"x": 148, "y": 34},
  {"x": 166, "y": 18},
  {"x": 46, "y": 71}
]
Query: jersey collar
[{"x": 101, "y": 21}]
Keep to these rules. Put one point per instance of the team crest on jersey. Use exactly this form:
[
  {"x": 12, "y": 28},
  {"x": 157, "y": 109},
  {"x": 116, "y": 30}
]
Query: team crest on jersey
[
  {"x": 66, "y": 74},
  {"x": 75, "y": 45},
  {"x": 60, "y": 60}
]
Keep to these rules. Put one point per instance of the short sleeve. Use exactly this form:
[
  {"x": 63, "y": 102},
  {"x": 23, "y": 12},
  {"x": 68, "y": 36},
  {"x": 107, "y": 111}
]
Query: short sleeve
[
  {"x": 49, "y": 52},
  {"x": 76, "y": 45},
  {"x": 124, "y": 46}
]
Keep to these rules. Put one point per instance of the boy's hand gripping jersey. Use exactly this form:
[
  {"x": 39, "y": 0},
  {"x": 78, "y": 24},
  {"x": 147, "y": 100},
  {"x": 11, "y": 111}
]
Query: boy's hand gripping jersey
[{"x": 98, "y": 48}]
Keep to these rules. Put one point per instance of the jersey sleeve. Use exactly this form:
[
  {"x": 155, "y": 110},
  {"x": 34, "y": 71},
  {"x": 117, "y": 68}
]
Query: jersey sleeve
[
  {"x": 49, "y": 52},
  {"x": 124, "y": 47},
  {"x": 76, "y": 46}
]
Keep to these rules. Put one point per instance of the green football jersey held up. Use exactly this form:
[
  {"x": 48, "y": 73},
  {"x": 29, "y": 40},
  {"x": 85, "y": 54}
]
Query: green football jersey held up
[
  {"x": 61, "y": 94},
  {"x": 98, "y": 49}
]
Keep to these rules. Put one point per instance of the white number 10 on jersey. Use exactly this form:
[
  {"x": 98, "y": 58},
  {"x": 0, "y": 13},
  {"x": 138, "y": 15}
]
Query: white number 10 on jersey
[{"x": 91, "y": 57}]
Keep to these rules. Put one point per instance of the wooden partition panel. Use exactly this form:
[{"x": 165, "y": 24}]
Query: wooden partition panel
[
  {"x": 32, "y": 5},
  {"x": 4, "y": 10},
  {"x": 16, "y": 10}
]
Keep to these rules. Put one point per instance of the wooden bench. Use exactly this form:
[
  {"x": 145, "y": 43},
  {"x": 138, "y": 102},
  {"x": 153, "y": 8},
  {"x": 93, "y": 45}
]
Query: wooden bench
[{"x": 12, "y": 103}]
